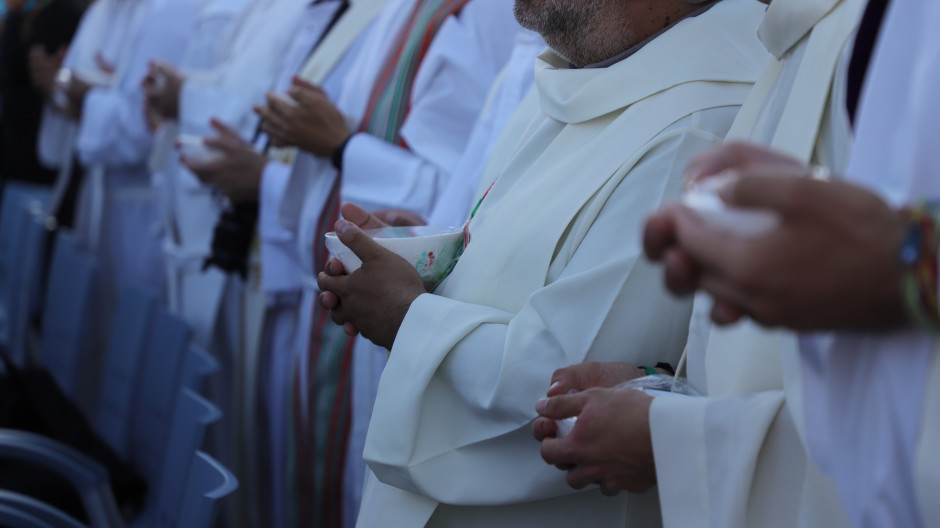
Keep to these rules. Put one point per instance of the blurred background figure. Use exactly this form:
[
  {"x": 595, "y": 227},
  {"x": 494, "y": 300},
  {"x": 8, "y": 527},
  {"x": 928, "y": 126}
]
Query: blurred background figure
[
  {"x": 96, "y": 117},
  {"x": 387, "y": 134},
  {"x": 34, "y": 39}
]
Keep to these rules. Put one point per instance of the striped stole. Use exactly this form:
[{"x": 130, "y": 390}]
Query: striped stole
[
  {"x": 391, "y": 94},
  {"x": 321, "y": 446},
  {"x": 390, "y": 100}
]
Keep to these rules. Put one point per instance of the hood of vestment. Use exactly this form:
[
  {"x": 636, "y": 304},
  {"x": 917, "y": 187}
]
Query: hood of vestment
[
  {"x": 684, "y": 53},
  {"x": 788, "y": 21}
]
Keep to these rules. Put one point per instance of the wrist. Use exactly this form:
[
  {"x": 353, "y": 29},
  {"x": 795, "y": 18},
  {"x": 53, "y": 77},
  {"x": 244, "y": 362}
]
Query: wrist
[
  {"x": 250, "y": 189},
  {"x": 338, "y": 151},
  {"x": 400, "y": 313},
  {"x": 172, "y": 109},
  {"x": 175, "y": 92}
]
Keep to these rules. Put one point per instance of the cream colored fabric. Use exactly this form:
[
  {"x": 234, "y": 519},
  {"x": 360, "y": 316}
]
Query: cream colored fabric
[
  {"x": 871, "y": 396},
  {"x": 737, "y": 457},
  {"x": 927, "y": 463},
  {"x": 552, "y": 273}
]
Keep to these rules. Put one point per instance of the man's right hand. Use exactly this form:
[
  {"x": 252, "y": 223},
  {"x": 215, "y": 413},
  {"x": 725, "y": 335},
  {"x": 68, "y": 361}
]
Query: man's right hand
[
  {"x": 400, "y": 217},
  {"x": 830, "y": 264},
  {"x": 590, "y": 375},
  {"x": 582, "y": 377},
  {"x": 304, "y": 118},
  {"x": 237, "y": 172},
  {"x": 43, "y": 68},
  {"x": 610, "y": 444},
  {"x": 162, "y": 87},
  {"x": 363, "y": 220}
]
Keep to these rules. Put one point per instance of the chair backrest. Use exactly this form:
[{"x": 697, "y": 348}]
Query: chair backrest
[
  {"x": 130, "y": 334},
  {"x": 208, "y": 483},
  {"x": 158, "y": 386},
  {"x": 22, "y": 236},
  {"x": 192, "y": 416},
  {"x": 83, "y": 473},
  {"x": 26, "y": 281},
  {"x": 20, "y": 511},
  {"x": 68, "y": 314},
  {"x": 15, "y": 197},
  {"x": 199, "y": 365}
]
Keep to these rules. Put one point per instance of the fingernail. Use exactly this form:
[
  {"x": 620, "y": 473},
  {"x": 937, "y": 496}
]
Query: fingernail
[
  {"x": 557, "y": 383},
  {"x": 540, "y": 405},
  {"x": 342, "y": 226}
]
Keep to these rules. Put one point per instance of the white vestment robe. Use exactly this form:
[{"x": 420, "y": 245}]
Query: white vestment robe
[
  {"x": 452, "y": 209},
  {"x": 553, "y": 275},
  {"x": 261, "y": 36},
  {"x": 737, "y": 457},
  {"x": 507, "y": 94},
  {"x": 226, "y": 313},
  {"x": 208, "y": 45},
  {"x": 117, "y": 214},
  {"x": 280, "y": 271},
  {"x": 871, "y": 399},
  {"x": 472, "y": 47}
]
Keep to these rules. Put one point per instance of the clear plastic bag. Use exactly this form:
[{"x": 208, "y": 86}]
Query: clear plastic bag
[{"x": 658, "y": 386}]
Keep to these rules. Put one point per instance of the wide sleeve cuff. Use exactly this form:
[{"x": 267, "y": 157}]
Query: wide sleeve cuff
[
  {"x": 200, "y": 102},
  {"x": 677, "y": 427},
  {"x": 379, "y": 175},
  {"x": 55, "y": 142},
  {"x": 112, "y": 131}
]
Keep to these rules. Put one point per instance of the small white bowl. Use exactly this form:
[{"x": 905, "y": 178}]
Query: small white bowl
[
  {"x": 96, "y": 78},
  {"x": 93, "y": 77},
  {"x": 431, "y": 250},
  {"x": 194, "y": 148}
]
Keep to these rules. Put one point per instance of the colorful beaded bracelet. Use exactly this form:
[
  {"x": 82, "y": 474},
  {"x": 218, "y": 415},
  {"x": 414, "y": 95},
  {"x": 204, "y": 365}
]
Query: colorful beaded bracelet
[{"x": 919, "y": 257}]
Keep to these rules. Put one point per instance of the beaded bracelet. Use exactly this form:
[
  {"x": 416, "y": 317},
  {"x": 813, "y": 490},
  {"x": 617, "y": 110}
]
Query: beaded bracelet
[{"x": 919, "y": 257}]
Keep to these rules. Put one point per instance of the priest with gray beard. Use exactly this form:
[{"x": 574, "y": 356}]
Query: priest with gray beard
[{"x": 552, "y": 273}]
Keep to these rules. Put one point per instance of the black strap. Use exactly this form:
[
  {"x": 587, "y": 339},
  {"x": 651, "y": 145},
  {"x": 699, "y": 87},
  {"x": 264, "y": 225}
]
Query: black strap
[{"x": 865, "y": 41}]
